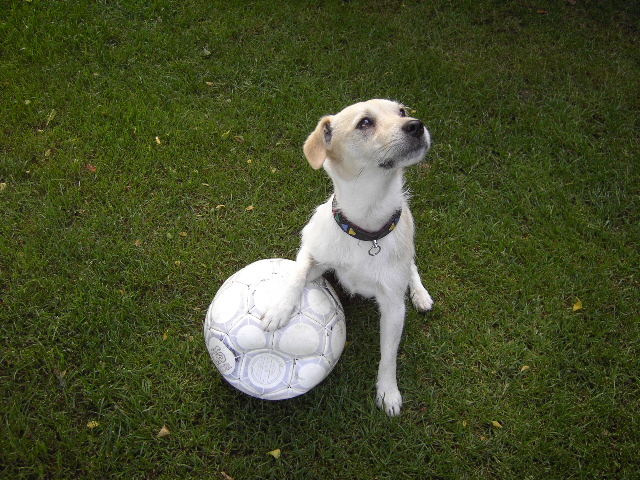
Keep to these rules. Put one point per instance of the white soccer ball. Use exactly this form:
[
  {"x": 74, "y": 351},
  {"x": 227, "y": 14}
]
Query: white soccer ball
[{"x": 281, "y": 364}]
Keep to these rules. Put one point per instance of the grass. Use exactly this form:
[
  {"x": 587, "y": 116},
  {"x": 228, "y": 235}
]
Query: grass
[{"x": 112, "y": 243}]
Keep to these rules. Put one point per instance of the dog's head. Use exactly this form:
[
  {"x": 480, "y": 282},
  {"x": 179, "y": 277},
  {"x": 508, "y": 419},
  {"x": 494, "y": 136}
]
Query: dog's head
[{"x": 376, "y": 134}]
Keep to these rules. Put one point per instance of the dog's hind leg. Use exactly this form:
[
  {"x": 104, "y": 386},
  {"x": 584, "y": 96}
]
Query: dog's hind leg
[{"x": 419, "y": 295}]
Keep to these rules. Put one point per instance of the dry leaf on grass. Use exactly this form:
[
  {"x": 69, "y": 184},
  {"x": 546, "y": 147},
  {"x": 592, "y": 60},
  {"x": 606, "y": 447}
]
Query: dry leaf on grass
[
  {"x": 164, "y": 431},
  {"x": 578, "y": 305},
  {"x": 496, "y": 424},
  {"x": 275, "y": 453}
]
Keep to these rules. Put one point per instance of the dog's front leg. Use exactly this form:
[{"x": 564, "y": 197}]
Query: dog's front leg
[
  {"x": 279, "y": 313},
  {"x": 392, "y": 311}
]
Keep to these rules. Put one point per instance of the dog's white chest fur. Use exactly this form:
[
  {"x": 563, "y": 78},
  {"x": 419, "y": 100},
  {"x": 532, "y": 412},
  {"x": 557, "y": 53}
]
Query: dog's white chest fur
[{"x": 358, "y": 271}]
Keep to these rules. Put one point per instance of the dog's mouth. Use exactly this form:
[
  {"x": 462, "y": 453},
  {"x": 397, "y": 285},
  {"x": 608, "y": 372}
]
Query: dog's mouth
[{"x": 410, "y": 154}]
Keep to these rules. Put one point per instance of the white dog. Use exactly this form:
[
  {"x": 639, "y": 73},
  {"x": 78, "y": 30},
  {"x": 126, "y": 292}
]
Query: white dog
[{"x": 364, "y": 232}]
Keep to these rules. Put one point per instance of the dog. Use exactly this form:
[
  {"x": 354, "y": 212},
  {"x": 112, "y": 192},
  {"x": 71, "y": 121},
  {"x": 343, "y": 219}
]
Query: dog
[{"x": 364, "y": 231}]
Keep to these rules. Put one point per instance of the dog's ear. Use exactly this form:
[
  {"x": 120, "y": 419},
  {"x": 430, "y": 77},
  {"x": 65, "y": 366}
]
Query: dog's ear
[{"x": 315, "y": 148}]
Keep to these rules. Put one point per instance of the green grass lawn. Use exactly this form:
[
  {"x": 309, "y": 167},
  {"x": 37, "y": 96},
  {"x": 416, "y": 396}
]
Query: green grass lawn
[{"x": 133, "y": 137}]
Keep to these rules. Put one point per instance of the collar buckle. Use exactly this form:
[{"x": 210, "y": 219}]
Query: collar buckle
[{"x": 375, "y": 248}]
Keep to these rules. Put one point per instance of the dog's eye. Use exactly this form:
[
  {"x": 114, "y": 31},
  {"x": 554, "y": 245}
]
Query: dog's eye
[
  {"x": 366, "y": 122},
  {"x": 403, "y": 112}
]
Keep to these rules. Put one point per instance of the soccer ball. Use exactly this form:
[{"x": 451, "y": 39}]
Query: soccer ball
[{"x": 281, "y": 364}]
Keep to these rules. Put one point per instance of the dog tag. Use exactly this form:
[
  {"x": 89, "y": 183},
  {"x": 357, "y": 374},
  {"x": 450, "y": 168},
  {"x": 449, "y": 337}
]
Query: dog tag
[{"x": 375, "y": 249}]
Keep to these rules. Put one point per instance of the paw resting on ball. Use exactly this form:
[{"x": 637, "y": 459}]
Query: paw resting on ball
[{"x": 278, "y": 315}]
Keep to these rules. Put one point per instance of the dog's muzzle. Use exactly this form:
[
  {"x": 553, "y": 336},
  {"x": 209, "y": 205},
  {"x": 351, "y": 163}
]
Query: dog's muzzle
[
  {"x": 415, "y": 144},
  {"x": 415, "y": 128}
]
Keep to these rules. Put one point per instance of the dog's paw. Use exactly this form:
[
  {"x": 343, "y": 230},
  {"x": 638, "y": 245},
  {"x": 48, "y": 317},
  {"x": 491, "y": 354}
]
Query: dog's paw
[
  {"x": 389, "y": 400},
  {"x": 421, "y": 299},
  {"x": 277, "y": 316}
]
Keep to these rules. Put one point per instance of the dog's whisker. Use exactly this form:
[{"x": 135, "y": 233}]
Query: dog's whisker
[{"x": 391, "y": 149}]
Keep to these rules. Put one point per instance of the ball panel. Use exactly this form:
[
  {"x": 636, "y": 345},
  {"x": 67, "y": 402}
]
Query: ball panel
[
  {"x": 310, "y": 375},
  {"x": 251, "y": 337},
  {"x": 223, "y": 358},
  {"x": 299, "y": 338},
  {"x": 337, "y": 339},
  {"x": 247, "y": 334},
  {"x": 330, "y": 290},
  {"x": 309, "y": 372},
  {"x": 226, "y": 347},
  {"x": 266, "y": 371},
  {"x": 317, "y": 303},
  {"x": 210, "y": 331},
  {"x": 228, "y": 305}
]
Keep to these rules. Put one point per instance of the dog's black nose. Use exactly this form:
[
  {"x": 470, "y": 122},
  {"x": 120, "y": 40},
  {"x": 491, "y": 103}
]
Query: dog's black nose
[{"x": 415, "y": 128}]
